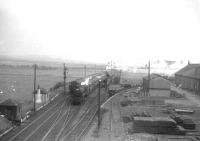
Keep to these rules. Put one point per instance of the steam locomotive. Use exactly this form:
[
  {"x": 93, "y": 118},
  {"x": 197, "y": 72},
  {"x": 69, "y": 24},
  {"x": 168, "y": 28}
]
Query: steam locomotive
[{"x": 81, "y": 88}]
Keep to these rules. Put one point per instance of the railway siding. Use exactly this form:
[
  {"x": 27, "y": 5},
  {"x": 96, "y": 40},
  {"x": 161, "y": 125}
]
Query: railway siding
[
  {"x": 34, "y": 121},
  {"x": 54, "y": 121},
  {"x": 80, "y": 126},
  {"x": 53, "y": 132}
]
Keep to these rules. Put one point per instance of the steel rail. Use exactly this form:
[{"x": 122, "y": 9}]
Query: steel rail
[
  {"x": 38, "y": 118},
  {"x": 89, "y": 122},
  {"x": 87, "y": 104},
  {"x": 82, "y": 117},
  {"x": 59, "y": 110},
  {"x": 78, "y": 122},
  {"x": 64, "y": 127},
  {"x": 66, "y": 114}
]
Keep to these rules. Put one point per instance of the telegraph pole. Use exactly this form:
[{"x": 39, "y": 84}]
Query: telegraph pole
[
  {"x": 120, "y": 74},
  {"x": 111, "y": 65},
  {"x": 84, "y": 70},
  {"x": 34, "y": 92},
  {"x": 99, "y": 104},
  {"x": 149, "y": 77},
  {"x": 64, "y": 78}
]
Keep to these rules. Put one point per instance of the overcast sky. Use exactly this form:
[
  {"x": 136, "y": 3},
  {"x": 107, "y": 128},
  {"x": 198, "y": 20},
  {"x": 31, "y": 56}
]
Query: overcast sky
[{"x": 101, "y": 31}]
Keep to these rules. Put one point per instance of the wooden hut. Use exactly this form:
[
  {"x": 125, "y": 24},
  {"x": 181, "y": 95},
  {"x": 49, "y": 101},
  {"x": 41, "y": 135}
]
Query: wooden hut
[
  {"x": 11, "y": 109},
  {"x": 42, "y": 95}
]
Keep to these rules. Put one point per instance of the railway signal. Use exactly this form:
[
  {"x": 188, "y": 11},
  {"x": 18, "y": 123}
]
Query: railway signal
[{"x": 111, "y": 65}]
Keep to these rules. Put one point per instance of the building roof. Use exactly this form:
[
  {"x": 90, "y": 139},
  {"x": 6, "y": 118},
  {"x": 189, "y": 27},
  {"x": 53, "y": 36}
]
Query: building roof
[
  {"x": 191, "y": 70},
  {"x": 9, "y": 102},
  {"x": 159, "y": 83},
  {"x": 152, "y": 76},
  {"x": 42, "y": 91}
]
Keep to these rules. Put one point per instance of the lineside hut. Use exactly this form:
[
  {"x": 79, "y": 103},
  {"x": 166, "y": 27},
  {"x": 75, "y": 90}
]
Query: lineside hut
[
  {"x": 11, "y": 109},
  {"x": 189, "y": 77},
  {"x": 42, "y": 95},
  {"x": 158, "y": 86}
]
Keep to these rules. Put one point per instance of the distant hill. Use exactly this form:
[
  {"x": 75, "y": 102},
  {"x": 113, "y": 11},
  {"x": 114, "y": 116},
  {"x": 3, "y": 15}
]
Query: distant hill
[{"x": 43, "y": 61}]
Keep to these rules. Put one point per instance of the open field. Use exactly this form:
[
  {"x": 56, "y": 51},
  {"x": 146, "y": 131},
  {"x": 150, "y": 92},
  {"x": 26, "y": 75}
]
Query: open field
[{"x": 17, "y": 83}]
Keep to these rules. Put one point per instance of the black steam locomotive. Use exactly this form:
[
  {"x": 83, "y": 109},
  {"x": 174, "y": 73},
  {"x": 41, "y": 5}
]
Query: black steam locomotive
[{"x": 81, "y": 88}]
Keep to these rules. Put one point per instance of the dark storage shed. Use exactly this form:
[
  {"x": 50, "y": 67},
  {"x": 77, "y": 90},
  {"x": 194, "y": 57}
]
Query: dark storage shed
[
  {"x": 189, "y": 77},
  {"x": 11, "y": 109}
]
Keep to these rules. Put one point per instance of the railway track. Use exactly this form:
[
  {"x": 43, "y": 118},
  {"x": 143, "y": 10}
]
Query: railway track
[
  {"x": 58, "y": 121},
  {"x": 83, "y": 126},
  {"x": 35, "y": 130},
  {"x": 49, "y": 124},
  {"x": 86, "y": 124},
  {"x": 65, "y": 121},
  {"x": 57, "y": 129},
  {"x": 34, "y": 119},
  {"x": 79, "y": 128},
  {"x": 74, "y": 118}
]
